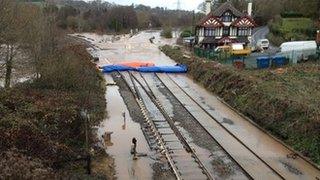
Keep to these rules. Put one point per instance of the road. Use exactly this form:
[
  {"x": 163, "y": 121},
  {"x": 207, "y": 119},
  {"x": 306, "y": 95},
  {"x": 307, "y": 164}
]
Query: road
[{"x": 261, "y": 33}]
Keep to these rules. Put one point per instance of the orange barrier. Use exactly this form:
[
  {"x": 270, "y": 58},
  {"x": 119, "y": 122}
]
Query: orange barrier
[{"x": 136, "y": 64}]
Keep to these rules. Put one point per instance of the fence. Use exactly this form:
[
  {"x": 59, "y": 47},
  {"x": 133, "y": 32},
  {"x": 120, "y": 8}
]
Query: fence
[
  {"x": 250, "y": 62},
  {"x": 211, "y": 54}
]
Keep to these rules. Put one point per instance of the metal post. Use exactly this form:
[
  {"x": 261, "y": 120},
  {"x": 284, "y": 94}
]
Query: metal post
[{"x": 86, "y": 119}]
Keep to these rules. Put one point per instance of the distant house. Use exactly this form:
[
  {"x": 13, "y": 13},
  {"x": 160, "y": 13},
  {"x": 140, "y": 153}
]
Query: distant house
[{"x": 224, "y": 25}]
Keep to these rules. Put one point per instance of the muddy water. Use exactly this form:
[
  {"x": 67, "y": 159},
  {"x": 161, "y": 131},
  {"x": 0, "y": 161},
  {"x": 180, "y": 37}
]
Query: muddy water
[
  {"x": 122, "y": 133},
  {"x": 270, "y": 150},
  {"x": 136, "y": 48}
]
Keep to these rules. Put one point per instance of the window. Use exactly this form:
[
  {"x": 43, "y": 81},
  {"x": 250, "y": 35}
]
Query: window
[
  {"x": 209, "y": 32},
  {"x": 226, "y": 31},
  {"x": 227, "y": 17},
  {"x": 243, "y": 31}
]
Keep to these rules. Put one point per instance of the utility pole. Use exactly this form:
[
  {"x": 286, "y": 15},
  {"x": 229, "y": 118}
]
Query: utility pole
[{"x": 178, "y": 5}]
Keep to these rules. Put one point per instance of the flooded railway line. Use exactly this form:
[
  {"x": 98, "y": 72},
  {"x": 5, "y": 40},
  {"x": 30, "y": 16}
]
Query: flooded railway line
[
  {"x": 259, "y": 149},
  {"x": 167, "y": 136},
  {"x": 164, "y": 135}
]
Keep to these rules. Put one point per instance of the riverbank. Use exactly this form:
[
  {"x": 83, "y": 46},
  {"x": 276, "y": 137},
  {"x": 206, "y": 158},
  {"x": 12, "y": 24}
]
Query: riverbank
[
  {"x": 284, "y": 104},
  {"x": 42, "y": 127}
]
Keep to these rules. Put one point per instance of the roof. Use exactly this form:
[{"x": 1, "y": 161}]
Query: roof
[
  {"x": 245, "y": 21},
  {"x": 224, "y": 40},
  {"x": 225, "y": 7},
  {"x": 213, "y": 18},
  {"x": 210, "y": 21}
]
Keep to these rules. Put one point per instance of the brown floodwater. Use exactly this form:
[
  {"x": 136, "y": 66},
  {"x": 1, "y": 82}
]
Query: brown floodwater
[
  {"x": 122, "y": 133},
  {"x": 270, "y": 150},
  {"x": 139, "y": 48}
]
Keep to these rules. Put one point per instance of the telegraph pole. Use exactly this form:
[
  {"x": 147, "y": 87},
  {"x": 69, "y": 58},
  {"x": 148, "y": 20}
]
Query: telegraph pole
[{"x": 178, "y": 5}]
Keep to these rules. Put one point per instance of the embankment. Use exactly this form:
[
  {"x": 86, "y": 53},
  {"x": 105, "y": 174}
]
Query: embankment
[
  {"x": 42, "y": 130},
  {"x": 286, "y": 104}
]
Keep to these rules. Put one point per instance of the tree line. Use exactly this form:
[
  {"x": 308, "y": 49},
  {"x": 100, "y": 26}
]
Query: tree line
[
  {"x": 106, "y": 17},
  {"x": 264, "y": 10}
]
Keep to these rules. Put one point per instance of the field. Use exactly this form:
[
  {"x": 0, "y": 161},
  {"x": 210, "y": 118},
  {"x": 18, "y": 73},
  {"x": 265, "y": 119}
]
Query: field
[{"x": 284, "y": 102}]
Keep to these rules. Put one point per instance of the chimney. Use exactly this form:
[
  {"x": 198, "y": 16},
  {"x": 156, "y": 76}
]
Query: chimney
[
  {"x": 250, "y": 9},
  {"x": 208, "y": 7}
]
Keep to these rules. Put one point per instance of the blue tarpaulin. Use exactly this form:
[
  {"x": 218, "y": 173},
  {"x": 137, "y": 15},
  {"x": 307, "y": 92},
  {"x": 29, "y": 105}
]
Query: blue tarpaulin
[
  {"x": 112, "y": 68},
  {"x": 151, "y": 69}
]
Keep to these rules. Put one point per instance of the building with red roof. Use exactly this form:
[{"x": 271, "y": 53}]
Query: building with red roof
[{"x": 224, "y": 25}]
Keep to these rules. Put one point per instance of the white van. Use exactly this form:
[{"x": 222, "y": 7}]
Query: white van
[
  {"x": 298, "y": 50},
  {"x": 263, "y": 44}
]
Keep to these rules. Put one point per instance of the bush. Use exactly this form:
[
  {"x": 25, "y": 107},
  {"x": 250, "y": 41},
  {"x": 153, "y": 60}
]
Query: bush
[
  {"x": 42, "y": 119},
  {"x": 291, "y": 14},
  {"x": 186, "y": 33},
  {"x": 166, "y": 32}
]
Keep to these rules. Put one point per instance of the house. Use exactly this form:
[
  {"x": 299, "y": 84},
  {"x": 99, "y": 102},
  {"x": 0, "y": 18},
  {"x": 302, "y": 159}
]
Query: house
[{"x": 224, "y": 25}]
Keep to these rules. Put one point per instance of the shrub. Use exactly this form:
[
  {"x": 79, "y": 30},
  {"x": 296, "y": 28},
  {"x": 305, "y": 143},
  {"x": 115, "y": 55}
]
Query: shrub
[
  {"x": 186, "y": 33},
  {"x": 166, "y": 32}
]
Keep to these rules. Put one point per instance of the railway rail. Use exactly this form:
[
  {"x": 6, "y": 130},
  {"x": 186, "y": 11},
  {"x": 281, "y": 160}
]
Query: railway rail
[
  {"x": 175, "y": 147},
  {"x": 181, "y": 157},
  {"x": 278, "y": 172}
]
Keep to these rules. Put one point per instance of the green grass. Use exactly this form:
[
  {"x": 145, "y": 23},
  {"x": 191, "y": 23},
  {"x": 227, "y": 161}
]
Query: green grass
[
  {"x": 292, "y": 24},
  {"x": 288, "y": 29}
]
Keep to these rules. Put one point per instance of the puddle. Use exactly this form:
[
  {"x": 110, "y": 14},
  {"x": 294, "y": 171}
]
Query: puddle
[
  {"x": 291, "y": 168},
  {"x": 227, "y": 121},
  {"x": 122, "y": 133}
]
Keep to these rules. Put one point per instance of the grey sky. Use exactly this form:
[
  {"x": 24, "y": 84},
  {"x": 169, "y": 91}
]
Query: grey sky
[{"x": 170, "y": 4}]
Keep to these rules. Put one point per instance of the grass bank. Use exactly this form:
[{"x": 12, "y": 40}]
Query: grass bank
[
  {"x": 286, "y": 105},
  {"x": 42, "y": 132}
]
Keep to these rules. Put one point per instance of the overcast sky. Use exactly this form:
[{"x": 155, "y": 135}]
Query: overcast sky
[{"x": 171, "y": 4}]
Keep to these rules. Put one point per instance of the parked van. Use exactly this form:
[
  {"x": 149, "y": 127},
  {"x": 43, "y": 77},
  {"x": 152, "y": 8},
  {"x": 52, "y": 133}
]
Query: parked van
[
  {"x": 263, "y": 44},
  {"x": 298, "y": 50}
]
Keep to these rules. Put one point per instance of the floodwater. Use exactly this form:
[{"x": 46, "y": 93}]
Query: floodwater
[
  {"x": 136, "y": 48},
  {"x": 269, "y": 149},
  {"x": 139, "y": 48},
  {"x": 122, "y": 133}
]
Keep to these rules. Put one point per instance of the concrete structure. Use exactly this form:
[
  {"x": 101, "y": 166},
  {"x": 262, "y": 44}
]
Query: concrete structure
[{"x": 224, "y": 25}]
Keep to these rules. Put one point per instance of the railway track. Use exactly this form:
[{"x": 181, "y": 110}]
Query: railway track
[
  {"x": 164, "y": 134},
  {"x": 282, "y": 168},
  {"x": 181, "y": 156}
]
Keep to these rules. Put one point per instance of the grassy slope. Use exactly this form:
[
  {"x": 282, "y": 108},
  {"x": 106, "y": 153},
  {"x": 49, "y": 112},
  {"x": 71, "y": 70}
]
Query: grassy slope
[
  {"x": 286, "y": 105},
  {"x": 41, "y": 129}
]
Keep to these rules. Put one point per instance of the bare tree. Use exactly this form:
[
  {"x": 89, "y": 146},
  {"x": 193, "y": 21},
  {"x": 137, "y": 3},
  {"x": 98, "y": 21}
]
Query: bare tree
[{"x": 9, "y": 34}]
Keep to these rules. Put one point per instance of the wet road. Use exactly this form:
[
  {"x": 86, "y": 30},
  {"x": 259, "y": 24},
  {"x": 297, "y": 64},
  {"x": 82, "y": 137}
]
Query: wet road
[{"x": 261, "y": 33}]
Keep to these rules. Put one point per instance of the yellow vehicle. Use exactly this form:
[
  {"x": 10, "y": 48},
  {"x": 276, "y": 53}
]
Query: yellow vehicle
[
  {"x": 239, "y": 50},
  {"x": 220, "y": 49},
  {"x": 236, "y": 49}
]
